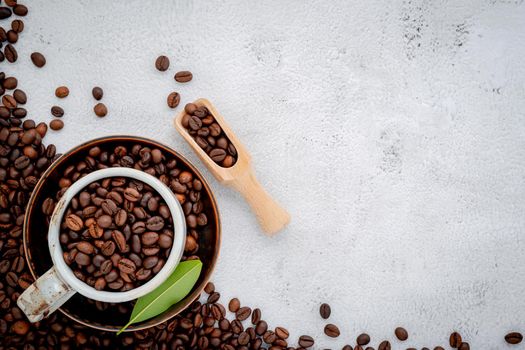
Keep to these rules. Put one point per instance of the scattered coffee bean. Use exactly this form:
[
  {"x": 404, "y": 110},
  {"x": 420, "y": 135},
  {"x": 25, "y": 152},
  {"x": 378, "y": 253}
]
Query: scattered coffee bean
[
  {"x": 62, "y": 91},
  {"x": 331, "y": 330},
  {"x": 325, "y": 311},
  {"x": 363, "y": 339},
  {"x": 56, "y": 124},
  {"x": 464, "y": 346},
  {"x": 401, "y": 333},
  {"x": 97, "y": 93},
  {"x": 162, "y": 63},
  {"x": 100, "y": 110},
  {"x": 514, "y": 338},
  {"x": 5, "y": 12},
  {"x": 57, "y": 111},
  {"x": 17, "y": 25},
  {"x": 306, "y": 341},
  {"x": 10, "y": 53},
  {"x": 38, "y": 59},
  {"x": 455, "y": 340},
  {"x": 20, "y": 10},
  {"x": 173, "y": 99},
  {"x": 384, "y": 345},
  {"x": 183, "y": 76},
  {"x": 234, "y": 305}
]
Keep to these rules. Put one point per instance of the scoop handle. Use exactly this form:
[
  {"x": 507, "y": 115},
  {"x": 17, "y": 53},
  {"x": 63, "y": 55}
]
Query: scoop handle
[
  {"x": 43, "y": 297},
  {"x": 271, "y": 216}
]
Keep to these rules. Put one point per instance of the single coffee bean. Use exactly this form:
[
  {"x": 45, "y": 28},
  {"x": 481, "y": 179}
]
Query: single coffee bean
[
  {"x": 20, "y": 96},
  {"x": 183, "y": 76},
  {"x": 455, "y": 340},
  {"x": 243, "y": 313},
  {"x": 331, "y": 330},
  {"x": 12, "y": 36},
  {"x": 325, "y": 311},
  {"x": 5, "y": 12},
  {"x": 9, "y": 101},
  {"x": 401, "y": 333},
  {"x": 217, "y": 154},
  {"x": 126, "y": 266},
  {"x": 57, "y": 111},
  {"x": 10, "y": 83},
  {"x": 464, "y": 346},
  {"x": 385, "y": 345},
  {"x": 514, "y": 338},
  {"x": 256, "y": 316},
  {"x": 282, "y": 332},
  {"x": 17, "y": 25},
  {"x": 363, "y": 339},
  {"x": 194, "y": 123},
  {"x": 10, "y": 53},
  {"x": 100, "y": 110},
  {"x": 38, "y": 59},
  {"x": 162, "y": 63},
  {"x": 173, "y": 99},
  {"x": 20, "y": 10},
  {"x": 56, "y": 124},
  {"x": 97, "y": 93},
  {"x": 62, "y": 91},
  {"x": 305, "y": 341},
  {"x": 73, "y": 222}
]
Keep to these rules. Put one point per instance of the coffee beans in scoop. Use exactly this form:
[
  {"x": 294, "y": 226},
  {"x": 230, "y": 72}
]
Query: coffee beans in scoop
[
  {"x": 208, "y": 134},
  {"x": 116, "y": 234}
]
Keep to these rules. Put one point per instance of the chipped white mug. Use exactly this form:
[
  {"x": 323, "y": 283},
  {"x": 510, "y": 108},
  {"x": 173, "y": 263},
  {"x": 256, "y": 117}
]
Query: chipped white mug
[{"x": 58, "y": 284}]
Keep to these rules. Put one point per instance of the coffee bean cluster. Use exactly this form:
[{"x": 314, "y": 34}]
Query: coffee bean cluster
[
  {"x": 208, "y": 134},
  {"x": 9, "y": 36},
  {"x": 116, "y": 234}
]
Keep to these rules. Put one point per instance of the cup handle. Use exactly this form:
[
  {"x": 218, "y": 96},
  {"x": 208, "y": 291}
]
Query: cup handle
[{"x": 44, "y": 296}]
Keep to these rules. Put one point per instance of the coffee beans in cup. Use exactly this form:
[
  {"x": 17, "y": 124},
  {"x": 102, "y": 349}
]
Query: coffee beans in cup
[
  {"x": 116, "y": 234},
  {"x": 208, "y": 134}
]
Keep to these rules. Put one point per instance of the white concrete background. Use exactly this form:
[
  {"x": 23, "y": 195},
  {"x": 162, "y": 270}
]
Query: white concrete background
[{"x": 393, "y": 131}]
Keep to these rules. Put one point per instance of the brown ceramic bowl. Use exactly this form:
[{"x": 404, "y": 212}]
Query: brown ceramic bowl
[{"x": 39, "y": 259}]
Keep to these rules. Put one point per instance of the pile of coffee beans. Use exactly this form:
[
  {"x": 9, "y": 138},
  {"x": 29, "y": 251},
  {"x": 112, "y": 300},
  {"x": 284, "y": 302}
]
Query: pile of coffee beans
[
  {"x": 11, "y": 35},
  {"x": 116, "y": 234},
  {"x": 208, "y": 134}
]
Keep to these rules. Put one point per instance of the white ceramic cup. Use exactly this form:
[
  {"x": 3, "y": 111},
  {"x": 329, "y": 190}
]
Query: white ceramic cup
[{"x": 59, "y": 283}]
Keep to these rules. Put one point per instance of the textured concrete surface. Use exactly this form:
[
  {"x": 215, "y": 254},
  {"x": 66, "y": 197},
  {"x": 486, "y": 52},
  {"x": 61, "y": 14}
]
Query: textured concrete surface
[{"x": 393, "y": 131}]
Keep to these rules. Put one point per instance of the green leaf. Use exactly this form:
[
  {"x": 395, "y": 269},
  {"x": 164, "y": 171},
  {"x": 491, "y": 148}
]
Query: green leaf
[{"x": 174, "y": 289}]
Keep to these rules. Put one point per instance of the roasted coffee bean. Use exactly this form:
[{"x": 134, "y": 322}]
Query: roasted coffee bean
[
  {"x": 331, "y": 330},
  {"x": 455, "y": 340},
  {"x": 100, "y": 110},
  {"x": 306, "y": 341},
  {"x": 20, "y": 10},
  {"x": 384, "y": 345},
  {"x": 57, "y": 111},
  {"x": 12, "y": 36},
  {"x": 56, "y": 124},
  {"x": 464, "y": 346},
  {"x": 17, "y": 25},
  {"x": 38, "y": 59},
  {"x": 20, "y": 96},
  {"x": 173, "y": 99},
  {"x": 97, "y": 93},
  {"x": 401, "y": 333},
  {"x": 243, "y": 313},
  {"x": 62, "y": 91},
  {"x": 5, "y": 12},
  {"x": 10, "y": 53},
  {"x": 183, "y": 76},
  {"x": 363, "y": 339},
  {"x": 10, "y": 83},
  {"x": 9, "y": 101},
  {"x": 325, "y": 311},
  {"x": 162, "y": 63},
  {"x": 514, "y": 338}
]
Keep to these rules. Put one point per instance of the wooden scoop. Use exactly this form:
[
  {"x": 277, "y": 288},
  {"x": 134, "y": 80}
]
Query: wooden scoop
[{"x": 271, "y": 216}]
